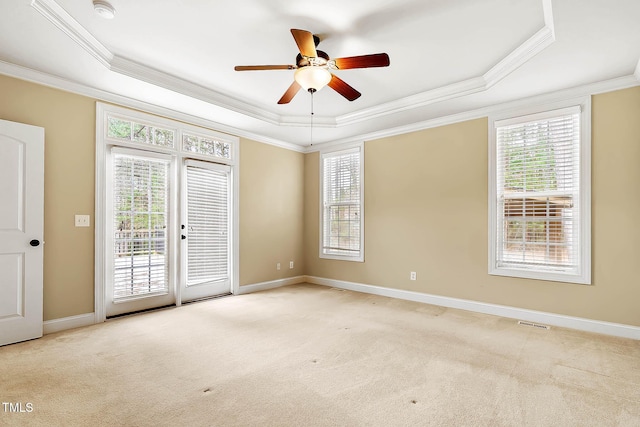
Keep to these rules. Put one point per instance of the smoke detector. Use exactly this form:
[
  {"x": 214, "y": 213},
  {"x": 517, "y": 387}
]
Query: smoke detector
[{"x": 104, "y": 9}]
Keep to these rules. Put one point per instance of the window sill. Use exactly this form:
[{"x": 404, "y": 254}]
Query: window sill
[
  {"x": 580, "y": 279},
  {"x": 356, "y": 258}
]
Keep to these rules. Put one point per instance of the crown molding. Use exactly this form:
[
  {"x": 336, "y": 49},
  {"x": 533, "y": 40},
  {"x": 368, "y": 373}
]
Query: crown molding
[
  {"x": 65, "y": 22},
  {"x": 56, "y": 82},
  {"x": 72, "y": 28},
  {"x": 454, "y": 90},
  {"x": 544, "y": 38},
  {"x": 303, "y": 121},
  {"x": 547, "y": 99},
  {"x": 168, "y": 81},
  {"x": 523, "y": 53},
  {"x": 547, "y": 12}
]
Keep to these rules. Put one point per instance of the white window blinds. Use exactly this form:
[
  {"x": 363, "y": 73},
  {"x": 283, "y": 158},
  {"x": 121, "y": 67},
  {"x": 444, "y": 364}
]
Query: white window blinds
[
  {"x": 342, "y": 203},
  {"x": 207, "y": 224},
  {"x": 538, "y": 192},
  {"x": 140, "y": 215}
]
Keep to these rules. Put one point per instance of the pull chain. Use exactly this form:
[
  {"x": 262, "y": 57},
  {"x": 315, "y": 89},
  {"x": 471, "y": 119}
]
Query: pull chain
[{"x": 311, "y": 127}]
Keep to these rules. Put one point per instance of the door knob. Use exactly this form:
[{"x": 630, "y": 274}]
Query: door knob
[{"x": 34, "y": 243}]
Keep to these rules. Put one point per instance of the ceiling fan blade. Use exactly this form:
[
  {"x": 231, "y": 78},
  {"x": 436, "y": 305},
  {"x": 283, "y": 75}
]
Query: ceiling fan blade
[
  {"x": 263, "y": 67},
  {"x": 290, "y": 93},
  {"x": 343, "y": 88},
  {"x": 306, "y": 44},
  {"x": 363, "y": 61}
]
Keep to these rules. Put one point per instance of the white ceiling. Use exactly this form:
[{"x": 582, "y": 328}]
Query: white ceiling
[{"x": 447, "y": 56}]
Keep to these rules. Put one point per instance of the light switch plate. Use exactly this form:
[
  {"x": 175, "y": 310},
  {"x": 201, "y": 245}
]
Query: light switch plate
[{"x": 83, "y": 220}]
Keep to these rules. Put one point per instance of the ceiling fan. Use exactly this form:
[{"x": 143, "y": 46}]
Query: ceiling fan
[{"x": 312, "y": 68}]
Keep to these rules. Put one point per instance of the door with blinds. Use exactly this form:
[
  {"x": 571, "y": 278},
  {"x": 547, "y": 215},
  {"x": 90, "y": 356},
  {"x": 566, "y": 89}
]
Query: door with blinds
[
  {"x": 205, "y": 230},
  {"x": 166, "y": 212},
  {"x": 138, "y": 250}
]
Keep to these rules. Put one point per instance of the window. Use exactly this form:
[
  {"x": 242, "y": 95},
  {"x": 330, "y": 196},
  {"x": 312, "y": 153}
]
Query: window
[
  {"x": 341, "y": 224},
  {"x": 540, "y": 196},
  {"x": 206, "y": 145},
  {"x": 145, "y": 133}
]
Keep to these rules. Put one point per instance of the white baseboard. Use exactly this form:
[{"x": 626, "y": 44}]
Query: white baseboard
[
  {"x": 597, "y": 326},
  {"x": 263, "y": 286},
  {"x": 71, "y": 322},
  {"x": 57, "y": 325}
]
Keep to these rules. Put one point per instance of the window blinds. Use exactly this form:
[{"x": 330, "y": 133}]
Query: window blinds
[
  {"x": 140, "y": 212},
  {"x": 538, "y": 192},
  {"x": 207, "y": 225},
  {"x": 342, "y": 204}
]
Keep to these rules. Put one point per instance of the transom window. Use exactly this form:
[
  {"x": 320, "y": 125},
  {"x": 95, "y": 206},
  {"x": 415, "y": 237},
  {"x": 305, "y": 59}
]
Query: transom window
[
  {"x": 132, "y": 131},
  {"x": 206, "y": 145},
  {"x": 539, "y": 189}
]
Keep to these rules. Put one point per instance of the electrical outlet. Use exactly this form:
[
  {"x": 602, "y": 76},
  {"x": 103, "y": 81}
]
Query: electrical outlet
[
  {"x": 413, "y": 275},
  {"x": 278, "y": 266},
  {"x": 82, "y": 220},
  {"x": 290, "y": 264}
]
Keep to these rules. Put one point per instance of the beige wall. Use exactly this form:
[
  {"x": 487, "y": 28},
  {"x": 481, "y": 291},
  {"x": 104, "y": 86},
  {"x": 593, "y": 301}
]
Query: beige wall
[
  {"x": 426, "y": 211},
  {"x": 421, "y": 214},
  {"x": 271, "y": 212},
  {"x": 270, "y": 198},
  {"x": 69, "y": 186}
]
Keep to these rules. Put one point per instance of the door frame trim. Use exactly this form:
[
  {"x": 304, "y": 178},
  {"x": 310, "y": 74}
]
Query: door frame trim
[{"x": 100, "y": 193}]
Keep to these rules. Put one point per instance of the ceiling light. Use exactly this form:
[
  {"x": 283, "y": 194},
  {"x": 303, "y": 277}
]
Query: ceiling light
[
  {"x": 104, "y": 9},
  {"x": 312, "y": 78}
]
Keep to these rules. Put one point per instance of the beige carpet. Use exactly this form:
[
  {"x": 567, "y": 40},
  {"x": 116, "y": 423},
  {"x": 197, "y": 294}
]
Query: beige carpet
[{"x": 314, "y": 356}]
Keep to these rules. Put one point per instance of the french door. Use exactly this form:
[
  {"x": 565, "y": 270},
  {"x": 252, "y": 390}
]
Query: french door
[
  {"x": 139, "y": 258},
  {"x": 205, "y": 230},
  {"x": 143, "y": 256},
  {"x": 166, "y": 212}
]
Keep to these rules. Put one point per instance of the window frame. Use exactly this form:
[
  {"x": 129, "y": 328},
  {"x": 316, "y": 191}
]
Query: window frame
[
  {"x": 582, "y": 274},
  {"x": 328, "y": 153}
]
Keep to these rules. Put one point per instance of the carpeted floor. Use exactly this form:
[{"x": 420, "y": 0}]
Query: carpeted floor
[{"x": 308, "y": 355}]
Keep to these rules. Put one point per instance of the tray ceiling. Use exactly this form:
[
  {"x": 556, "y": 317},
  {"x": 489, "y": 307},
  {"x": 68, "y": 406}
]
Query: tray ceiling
[{"x": 447, "y": 57}]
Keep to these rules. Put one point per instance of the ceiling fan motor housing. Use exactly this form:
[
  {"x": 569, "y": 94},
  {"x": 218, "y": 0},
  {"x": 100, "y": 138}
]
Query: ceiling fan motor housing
[{"x": 321, "y": 60}]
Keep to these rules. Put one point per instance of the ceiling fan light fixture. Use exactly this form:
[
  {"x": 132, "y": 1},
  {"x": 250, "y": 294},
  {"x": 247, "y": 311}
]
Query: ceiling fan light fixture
[
  {"x": 104, "y": 9},
  {"x": 312, "y": 77}
]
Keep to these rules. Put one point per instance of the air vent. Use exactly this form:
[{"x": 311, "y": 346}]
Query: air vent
[{"x": 533, "y": 325}]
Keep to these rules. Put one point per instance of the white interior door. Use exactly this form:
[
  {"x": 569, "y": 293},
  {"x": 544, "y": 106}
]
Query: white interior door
[
  {"x": 21, "y": 231},
  {"x": 206, "y": 230}
]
